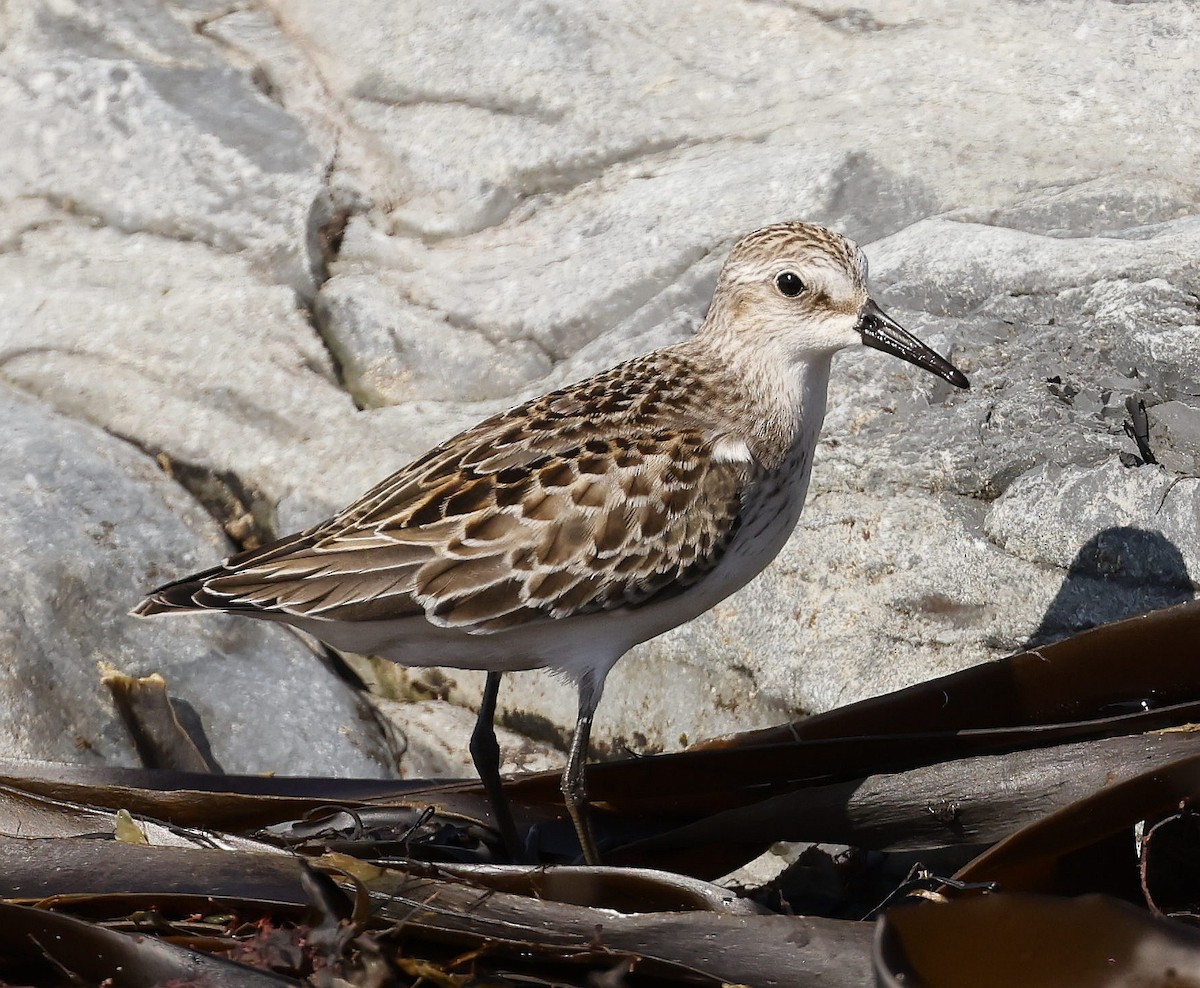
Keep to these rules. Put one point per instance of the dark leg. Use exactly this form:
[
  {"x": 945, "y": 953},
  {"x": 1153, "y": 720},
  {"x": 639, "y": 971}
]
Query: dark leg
[
  {"x": 485, "y": 753},
  {"x": 574, "y": 785}
]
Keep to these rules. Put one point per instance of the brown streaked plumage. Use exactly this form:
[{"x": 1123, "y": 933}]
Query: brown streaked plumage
[
  {"x": 563, "y": 532},
  {"x": 599, "y": 496}
]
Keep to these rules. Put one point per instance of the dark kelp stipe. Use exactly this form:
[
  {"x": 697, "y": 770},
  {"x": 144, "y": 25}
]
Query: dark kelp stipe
[{"x": 976, "y": 808}]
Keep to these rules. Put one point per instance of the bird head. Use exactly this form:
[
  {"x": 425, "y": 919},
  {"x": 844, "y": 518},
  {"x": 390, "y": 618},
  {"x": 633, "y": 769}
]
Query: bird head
[{"x": 800, "y": 291}]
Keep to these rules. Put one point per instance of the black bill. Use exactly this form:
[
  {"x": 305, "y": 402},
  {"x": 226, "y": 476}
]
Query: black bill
[{"x": 882, "y": 332}]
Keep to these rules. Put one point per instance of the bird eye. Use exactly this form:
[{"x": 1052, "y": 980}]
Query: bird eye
[{"x": 789, "y": 283}]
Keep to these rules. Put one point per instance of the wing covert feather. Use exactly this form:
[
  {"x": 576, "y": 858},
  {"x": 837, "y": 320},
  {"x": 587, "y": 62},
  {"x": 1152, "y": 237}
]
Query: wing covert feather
[{"x": 596, "y": 497}]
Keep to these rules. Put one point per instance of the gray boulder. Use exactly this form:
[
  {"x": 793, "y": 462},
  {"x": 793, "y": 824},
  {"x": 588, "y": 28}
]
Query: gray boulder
[
  {"x": 92, "y": 524},
  {"x": 285, "y": 249}
]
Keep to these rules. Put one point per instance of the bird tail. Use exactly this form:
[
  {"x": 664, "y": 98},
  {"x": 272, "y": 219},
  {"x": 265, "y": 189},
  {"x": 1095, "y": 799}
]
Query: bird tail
[
  {"x": 191, "y": 593},
  {"x": 181, "y": 596}
]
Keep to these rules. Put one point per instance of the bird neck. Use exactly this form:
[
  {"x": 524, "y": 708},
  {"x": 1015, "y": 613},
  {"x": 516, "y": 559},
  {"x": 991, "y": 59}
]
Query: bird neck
[{"x": 777, "y": 403}]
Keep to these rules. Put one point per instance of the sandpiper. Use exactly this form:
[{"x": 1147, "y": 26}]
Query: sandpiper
[{"x": 563, "y": 532}]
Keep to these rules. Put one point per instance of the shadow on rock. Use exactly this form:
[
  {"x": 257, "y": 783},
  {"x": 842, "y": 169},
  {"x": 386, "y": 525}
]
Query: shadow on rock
[{"x": 1119, "y": 572}]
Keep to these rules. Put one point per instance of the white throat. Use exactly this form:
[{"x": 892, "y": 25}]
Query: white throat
[{"x": 786, "y": 401}]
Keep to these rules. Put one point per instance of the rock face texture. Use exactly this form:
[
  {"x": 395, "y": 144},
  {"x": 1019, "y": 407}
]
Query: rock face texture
[
  {"x": 282, "y": 247},
  {"x": 89, "y": 520}
]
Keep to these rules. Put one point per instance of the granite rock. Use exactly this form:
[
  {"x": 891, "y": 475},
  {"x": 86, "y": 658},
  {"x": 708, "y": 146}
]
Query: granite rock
[
  {"x": 434, "y": 741},
  {"x": 284, "y": 248},
  {"x": 1174, "y": 437},
  {"x": 93, "y": 524},
  {"x": 124, "y": 113}
]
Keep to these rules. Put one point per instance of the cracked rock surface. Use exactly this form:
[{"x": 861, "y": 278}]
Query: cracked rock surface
[
  {"x": 282, "y": 248},
  {"x": 90, "y": 520}
]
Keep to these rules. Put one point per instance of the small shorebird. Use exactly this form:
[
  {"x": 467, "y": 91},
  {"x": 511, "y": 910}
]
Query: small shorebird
[{"x": 565, "y": 531}]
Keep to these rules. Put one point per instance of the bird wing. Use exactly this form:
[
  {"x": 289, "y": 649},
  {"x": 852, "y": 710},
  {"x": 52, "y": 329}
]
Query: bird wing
[{"x": 599, "y": 496}]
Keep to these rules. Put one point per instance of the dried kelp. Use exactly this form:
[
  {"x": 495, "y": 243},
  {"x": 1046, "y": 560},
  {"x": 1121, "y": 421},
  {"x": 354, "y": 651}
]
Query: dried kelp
[
  {"x": 999, "y": 941},
  {"x": 1068, "y": 771}
]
